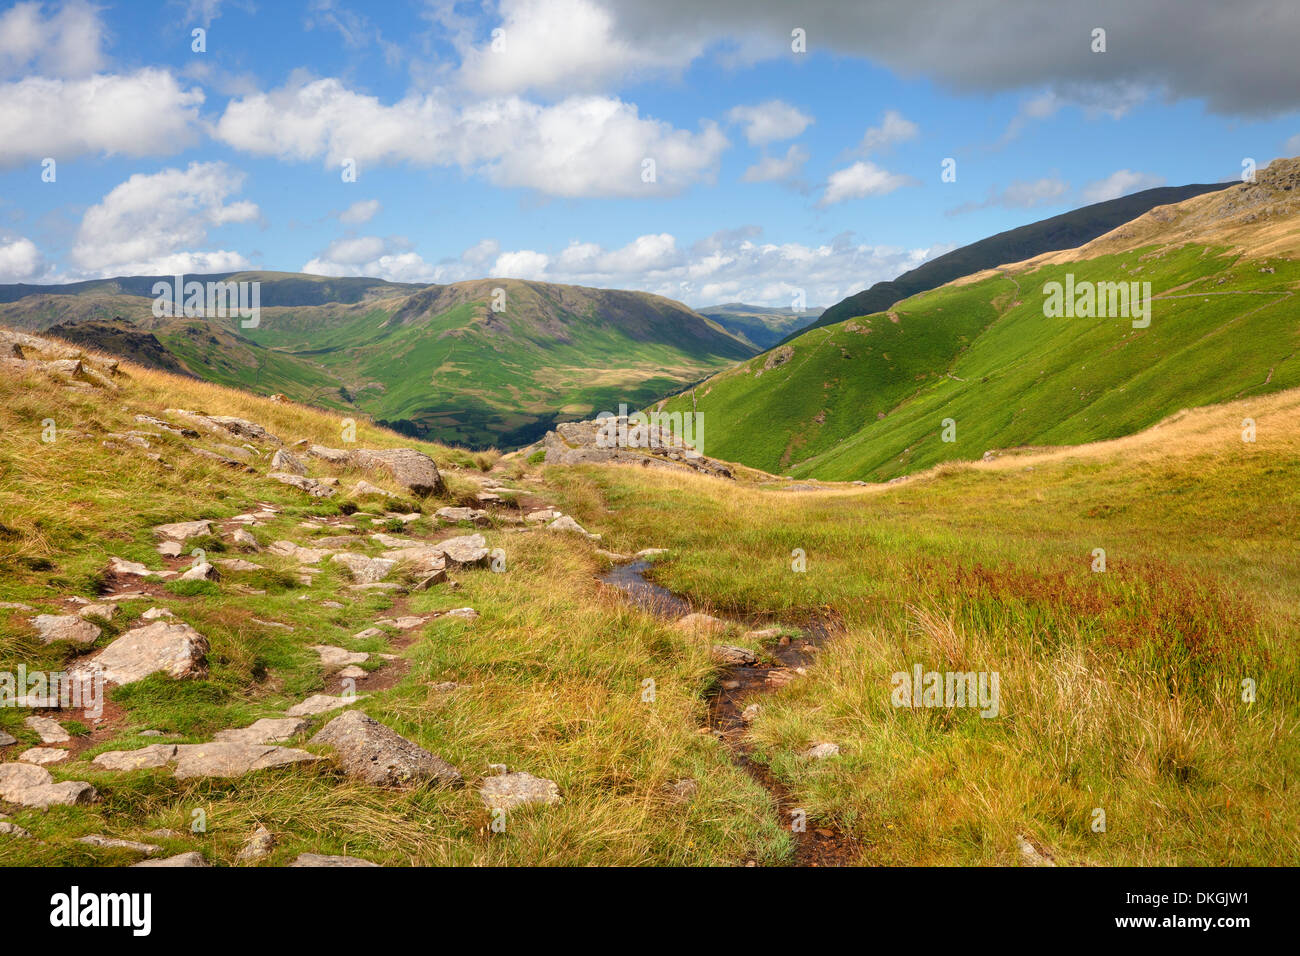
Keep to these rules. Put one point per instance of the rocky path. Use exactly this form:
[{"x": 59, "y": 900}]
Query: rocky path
[{"x": 735, "y": 700}]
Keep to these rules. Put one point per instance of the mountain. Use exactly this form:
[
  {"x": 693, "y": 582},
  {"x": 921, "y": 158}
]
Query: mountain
[
  {"x": 433, "y": 361},
  {"x": 976, "y": 364},
  {"x": 763, "y": 326},
  {"x": 1066, "y": 231}
]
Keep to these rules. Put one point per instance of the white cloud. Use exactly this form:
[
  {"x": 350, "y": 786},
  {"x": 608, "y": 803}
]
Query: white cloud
[
  {"x": 141, "y": 114},
  {"x": 150, "y": 223},
  {"x": 894, "y": 128},
  {"x": 1120, "y": 183},
  {"x": 21, "y": 261},
  {"x": 521, "y": 264},
  {"x": 770, "y": 122},
  {"x": 65, "y": 44},
  {"x": 564, "y": 46},
  {"x": 582, "y": 146},
  {"x": 1292, "y": 145},
  {"x": 363, "y": 210},
  {"x": 778, "y": 168},
  {"x": 732, "y": 265},
  {"x": 860, "y": 180},
  {"x": 381, "y": 258}
]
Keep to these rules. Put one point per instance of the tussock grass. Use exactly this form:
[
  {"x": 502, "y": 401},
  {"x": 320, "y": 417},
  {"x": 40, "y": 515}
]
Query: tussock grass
[
  {"x": 553, "y": 669},
  {"x": 1119, "y": 691}
]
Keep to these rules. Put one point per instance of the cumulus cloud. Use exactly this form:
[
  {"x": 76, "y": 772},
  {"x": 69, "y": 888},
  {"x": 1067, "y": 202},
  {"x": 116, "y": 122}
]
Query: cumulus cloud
[
  {"x": 770, "y": 122},
  {"x": 1120, "y": 183},
  {"x": 860, "y": 180},
  {"x": 894, "y": 128},
  {"x": 65, "y": 43},
  {"x": 152, "y": 223},
  {"x": 727, "y": 266},
  {"x": 21, "y": 261},
  {"x": 784, "y": 169},
  {"x": 390, "y": 258},
  {"x": 363, "y": 210},
  {"x": 582, "y": 146},
  {"x": 562, "y": 46},
  {"x": 1021, "y": 194},
  {"x": 141, "y": 114}
]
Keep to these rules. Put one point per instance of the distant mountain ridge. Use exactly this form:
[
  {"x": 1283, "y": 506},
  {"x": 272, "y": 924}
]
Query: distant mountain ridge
[
  {"x": 1066, "y": 231},
  {"x": 478, "y": 363},
  {"x": 763, "y": 325}
]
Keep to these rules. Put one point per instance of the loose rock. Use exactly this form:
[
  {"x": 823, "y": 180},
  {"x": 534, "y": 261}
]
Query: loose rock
[
  {"x": 381, "y": 757},
  {"x": 64, "y": 627}
]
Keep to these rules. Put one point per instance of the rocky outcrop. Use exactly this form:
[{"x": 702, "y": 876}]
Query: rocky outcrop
[
  {"x": 589, "y": 442},
  {"x": 229, "y": 426}
]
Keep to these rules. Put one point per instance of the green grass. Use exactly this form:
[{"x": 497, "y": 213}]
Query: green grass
[
  {"x": 1119, "y": 690},
  {"x": 553, "y": 668},
  {"x": 868, "y": 398}
]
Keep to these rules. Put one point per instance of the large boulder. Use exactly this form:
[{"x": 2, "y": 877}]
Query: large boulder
[
  {"x": 172, "y": 648},
  {"x": 414, "y": 471},
  {"x": 381, "y": 757}
]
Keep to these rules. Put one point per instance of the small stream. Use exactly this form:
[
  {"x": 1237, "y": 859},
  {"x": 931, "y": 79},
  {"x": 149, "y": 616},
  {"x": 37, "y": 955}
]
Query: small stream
[{"x": 737, "y": 687}]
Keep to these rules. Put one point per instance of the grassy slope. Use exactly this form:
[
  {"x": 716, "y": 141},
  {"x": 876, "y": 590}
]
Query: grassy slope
[
  {"x": 983, "y": 354},
  {"x": 1120, "y": 690},
  {"x": 554, "y": 665},
  {"x": 457, "y": 373}
]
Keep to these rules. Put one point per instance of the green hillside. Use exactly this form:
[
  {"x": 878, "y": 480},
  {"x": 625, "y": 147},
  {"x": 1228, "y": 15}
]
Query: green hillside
[
  {"x": 867, "y": 398},
  {"x": 1066, "y": 231},
  {"x": 434, "y": 362}
]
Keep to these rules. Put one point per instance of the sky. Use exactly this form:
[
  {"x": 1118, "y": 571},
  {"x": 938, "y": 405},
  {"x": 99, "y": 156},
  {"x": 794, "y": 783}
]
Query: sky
[{"x": 760, "y": 151}]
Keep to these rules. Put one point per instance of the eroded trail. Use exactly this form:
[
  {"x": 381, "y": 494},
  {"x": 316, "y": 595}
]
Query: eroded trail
[{"x": 738, "y": 687}]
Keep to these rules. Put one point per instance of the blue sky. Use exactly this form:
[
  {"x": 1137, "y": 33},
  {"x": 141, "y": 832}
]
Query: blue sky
[{"x": 776, "y": 171}]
